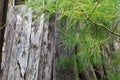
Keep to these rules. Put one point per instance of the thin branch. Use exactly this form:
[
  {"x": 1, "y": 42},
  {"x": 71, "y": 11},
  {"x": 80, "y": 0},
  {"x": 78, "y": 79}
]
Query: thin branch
[
  {"x": 99, "y": 24},
  {"x": 104, "y": 27},
  {"x": 116, "y": 25},
  {"x": 91, "y": 20},
  {"x": 2, "y": 26},
  {"x": 95, "y": 7}
]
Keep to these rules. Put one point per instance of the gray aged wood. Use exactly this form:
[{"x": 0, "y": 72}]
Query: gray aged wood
[
  {"x": 9, "y": 35},
  {"x": 29, "y": 46}
]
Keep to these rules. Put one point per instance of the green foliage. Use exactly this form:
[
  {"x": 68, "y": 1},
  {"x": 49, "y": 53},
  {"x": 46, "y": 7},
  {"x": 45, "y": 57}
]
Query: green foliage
[{"x": 85, "y": 26}]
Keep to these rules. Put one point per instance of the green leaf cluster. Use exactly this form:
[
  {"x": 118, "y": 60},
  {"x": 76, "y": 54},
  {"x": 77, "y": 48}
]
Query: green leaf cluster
[{"x": 85, "y": 25}]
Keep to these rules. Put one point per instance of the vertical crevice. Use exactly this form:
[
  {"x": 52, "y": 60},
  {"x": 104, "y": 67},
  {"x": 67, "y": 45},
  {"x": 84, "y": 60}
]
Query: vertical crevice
[{"x": 3, "y": 22}]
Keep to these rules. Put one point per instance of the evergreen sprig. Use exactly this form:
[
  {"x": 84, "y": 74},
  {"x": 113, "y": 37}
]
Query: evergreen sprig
[{"x": 85, "y": 25}]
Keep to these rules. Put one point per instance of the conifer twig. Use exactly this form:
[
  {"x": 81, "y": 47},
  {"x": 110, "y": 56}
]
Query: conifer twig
[
  {"x": 99, "y": 24},
  {"x": 95, "y": 8},
  {"x": 114, "y": 28}
]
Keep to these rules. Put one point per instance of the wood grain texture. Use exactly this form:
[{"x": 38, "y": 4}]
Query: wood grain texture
[{"x": 29, "y": 47}]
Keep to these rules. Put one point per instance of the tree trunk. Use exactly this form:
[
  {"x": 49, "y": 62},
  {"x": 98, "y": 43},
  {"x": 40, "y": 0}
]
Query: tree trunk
[{"x": 30, "y": 48}]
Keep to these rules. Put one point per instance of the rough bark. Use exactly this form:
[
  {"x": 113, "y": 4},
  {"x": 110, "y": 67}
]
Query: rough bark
[
  {"x": 29, "y": 47},
  {"x": 9, "y": 35}
]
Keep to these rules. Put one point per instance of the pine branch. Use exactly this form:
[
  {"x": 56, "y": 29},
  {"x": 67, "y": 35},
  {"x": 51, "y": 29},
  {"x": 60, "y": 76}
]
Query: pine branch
[
  {"x": 116, "y": 25},
  {"x": 95, "y": 8},
  {"x": 99, "y": 24}
]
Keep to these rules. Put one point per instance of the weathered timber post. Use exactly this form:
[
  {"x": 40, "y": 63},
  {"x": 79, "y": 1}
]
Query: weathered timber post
[{"x": 29, "y": 47}]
